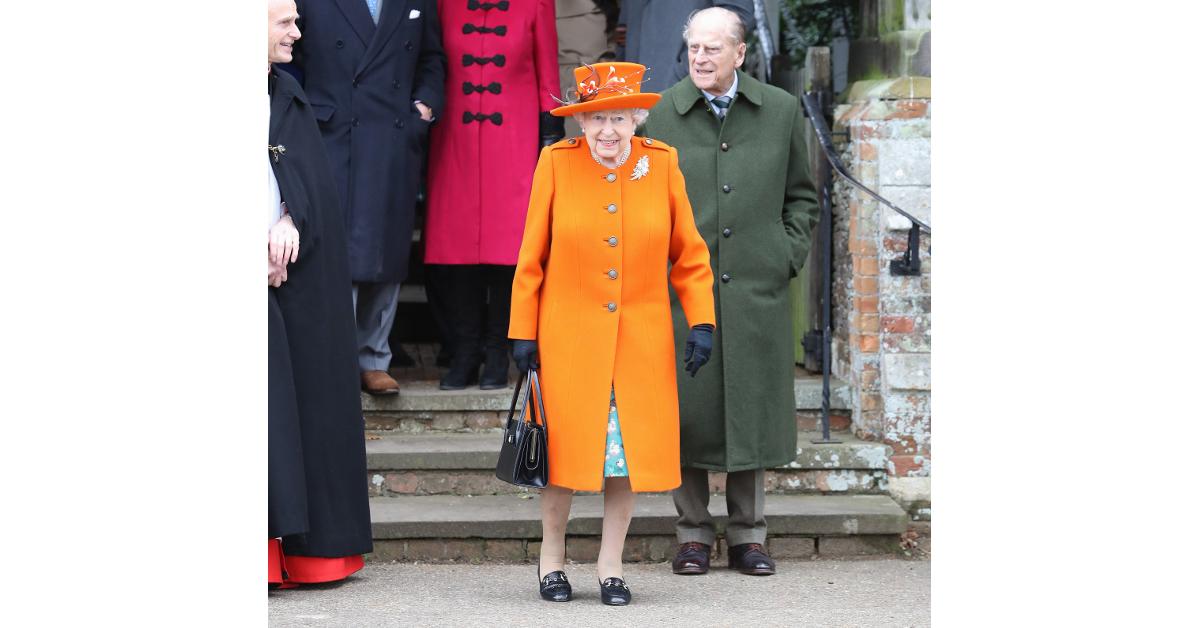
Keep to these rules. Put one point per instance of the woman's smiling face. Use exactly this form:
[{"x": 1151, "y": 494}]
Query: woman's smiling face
[{"x": 607, "y": 132}]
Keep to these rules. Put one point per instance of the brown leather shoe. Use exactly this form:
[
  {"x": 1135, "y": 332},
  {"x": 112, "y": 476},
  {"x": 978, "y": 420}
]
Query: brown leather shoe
[
  {"x": 751, "y": 559},
  {"x": 691, "y": 559},
  {"x": 379, "y": 383}
]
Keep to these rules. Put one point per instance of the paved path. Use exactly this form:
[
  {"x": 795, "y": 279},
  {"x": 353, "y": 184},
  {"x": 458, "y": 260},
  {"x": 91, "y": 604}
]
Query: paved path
[{"x": 826, "y": 593}]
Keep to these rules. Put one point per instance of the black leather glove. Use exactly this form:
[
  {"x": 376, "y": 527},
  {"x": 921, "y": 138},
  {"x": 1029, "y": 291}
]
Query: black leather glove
[
  {"x": 699, "y": 348},
  {"x": 525, "y": 355},
  {"x": 550, "y": 129}
]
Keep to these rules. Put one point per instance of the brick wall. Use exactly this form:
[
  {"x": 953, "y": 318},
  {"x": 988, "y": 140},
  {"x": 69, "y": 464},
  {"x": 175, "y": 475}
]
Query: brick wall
[{"x": 882, "y": 343}]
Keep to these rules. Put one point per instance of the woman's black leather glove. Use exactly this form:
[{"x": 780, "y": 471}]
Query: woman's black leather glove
[
  {"x": 525, "y": 355},
  {"x": 698, "y": 349},
  {"x": 550, "y": 129}
]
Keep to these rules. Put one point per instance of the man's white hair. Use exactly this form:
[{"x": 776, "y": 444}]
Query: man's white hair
[
  {"x": 639, "y": 115},
  {"x": 735, "y": 30}
]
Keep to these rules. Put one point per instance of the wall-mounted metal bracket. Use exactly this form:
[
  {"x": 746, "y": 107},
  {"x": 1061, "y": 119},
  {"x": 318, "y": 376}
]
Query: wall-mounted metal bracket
[{"x": 910, "y": 263}]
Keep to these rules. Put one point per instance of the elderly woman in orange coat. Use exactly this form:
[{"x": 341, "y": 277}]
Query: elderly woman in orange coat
[{"x": 608, "y": 228}]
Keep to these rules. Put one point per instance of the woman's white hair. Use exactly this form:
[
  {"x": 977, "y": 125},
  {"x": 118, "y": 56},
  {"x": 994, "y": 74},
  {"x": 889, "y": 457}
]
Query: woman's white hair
[{"x": 639, "y": 115}]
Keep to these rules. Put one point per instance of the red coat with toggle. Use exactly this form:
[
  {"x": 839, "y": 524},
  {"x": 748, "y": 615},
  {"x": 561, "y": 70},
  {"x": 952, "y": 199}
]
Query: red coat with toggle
[{"x": 484, "y": 147}]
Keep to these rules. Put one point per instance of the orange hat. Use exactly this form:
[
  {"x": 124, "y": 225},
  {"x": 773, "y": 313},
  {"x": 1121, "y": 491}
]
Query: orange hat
[{"x": 609, "y": 85}]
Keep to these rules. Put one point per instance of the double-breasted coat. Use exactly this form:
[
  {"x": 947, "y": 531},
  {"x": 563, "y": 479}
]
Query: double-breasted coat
[
  {"x": 501, "y": 65},
  {"x": 654, "y": 35},
  {"x": 591, "y": 287},
  {"x": 362, "y": 79},
  {"x": 748, "y": 180}
]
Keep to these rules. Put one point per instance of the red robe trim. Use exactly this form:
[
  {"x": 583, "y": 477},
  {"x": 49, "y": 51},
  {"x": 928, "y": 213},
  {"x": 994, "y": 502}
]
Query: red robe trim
[{"x": 290, "y": 571}]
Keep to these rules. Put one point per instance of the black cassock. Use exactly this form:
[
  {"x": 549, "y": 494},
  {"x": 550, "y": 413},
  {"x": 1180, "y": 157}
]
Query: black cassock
[{"x": 317, "y": 462}]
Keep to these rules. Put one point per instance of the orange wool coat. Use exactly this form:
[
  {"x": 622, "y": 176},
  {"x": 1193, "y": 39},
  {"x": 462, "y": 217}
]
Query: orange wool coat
[{"x": 591, "y": 286}]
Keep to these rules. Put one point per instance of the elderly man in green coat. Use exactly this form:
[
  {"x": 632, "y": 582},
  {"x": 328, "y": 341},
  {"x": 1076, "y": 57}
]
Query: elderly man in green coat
[{"x": 742, "y": 152}]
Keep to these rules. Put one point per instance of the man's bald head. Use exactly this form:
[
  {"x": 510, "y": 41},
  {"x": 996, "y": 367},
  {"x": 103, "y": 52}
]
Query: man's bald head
[
  {"x": 717, "y": 18},
  {"x": 716, "y": 49}
]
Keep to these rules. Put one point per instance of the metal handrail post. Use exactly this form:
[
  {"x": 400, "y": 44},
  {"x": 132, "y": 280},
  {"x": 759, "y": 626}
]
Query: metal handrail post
[{"x": 826, "y": 221}]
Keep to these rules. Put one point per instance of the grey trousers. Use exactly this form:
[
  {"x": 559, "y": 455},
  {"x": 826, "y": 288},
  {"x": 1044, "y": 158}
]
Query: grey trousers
[
  {"x": 374, "y": 311},
  {"x": 744, "y": 496}
]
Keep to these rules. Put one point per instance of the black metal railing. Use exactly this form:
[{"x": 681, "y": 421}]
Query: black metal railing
[{"x": 908, "y": 264}]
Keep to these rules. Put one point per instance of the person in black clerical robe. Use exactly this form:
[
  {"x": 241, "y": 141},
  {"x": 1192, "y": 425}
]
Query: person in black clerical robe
[{"x": 319, "y": 523}]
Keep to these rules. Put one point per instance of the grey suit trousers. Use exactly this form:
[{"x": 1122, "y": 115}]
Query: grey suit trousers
[
  {"x": 744, "y": 496},
  {"x": 374, "y": 312}
]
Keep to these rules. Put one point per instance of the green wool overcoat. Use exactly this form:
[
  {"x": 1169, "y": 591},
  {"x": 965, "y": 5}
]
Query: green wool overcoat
[{"x": 749, "y": 186}]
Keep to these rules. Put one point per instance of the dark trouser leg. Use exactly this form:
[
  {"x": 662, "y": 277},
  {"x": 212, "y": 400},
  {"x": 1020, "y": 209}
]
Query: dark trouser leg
[
  {"x": 441, "y": 310},
  {"x": 745, "y": 496},
  {"x": 499, "y": 288},
  {"x": 695, "y": 524},
  {"x": 466, "y": 291}
]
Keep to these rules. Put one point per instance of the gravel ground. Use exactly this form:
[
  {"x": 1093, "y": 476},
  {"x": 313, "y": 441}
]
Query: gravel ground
[{"x": 829, "y": 593}]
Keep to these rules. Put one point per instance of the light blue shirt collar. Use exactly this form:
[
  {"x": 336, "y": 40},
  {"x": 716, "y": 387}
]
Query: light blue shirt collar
[{"x": 731, "y": 93}]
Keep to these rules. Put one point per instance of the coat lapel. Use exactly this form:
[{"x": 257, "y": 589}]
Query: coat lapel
[
  {"x": 392, "y": 13},
  {"x": 280, "y": 102},
  {"x": 283, "y": 92},
  {"x": 749, "y": 89},
  {"x": 686, "y": 96},
  {"x": 359, "y": 16}
]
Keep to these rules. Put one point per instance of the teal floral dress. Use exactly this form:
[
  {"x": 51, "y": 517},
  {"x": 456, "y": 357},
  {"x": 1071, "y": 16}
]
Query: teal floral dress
[{"x": 614, "y": 450}]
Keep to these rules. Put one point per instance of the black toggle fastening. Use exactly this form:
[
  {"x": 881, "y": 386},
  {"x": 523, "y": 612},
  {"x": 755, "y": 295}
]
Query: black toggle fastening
[
  {"x": 469, "y": 117},
  {"x": 470, "y": 88},
  {"x": 475, "y": 5},
  {"x": 468, "y": 59},
  {"x": 471, "y": 28}
]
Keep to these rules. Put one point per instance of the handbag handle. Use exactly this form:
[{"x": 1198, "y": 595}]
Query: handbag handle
[
  {"x": 536, "y": 392},
  {"x": 522, "y": 384},
  {"x": 532, "y": 388}
]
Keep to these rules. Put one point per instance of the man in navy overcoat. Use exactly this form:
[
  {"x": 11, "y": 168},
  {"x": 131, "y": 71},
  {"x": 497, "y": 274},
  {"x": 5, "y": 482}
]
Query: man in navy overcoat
[{"x": 374, "y": 72}]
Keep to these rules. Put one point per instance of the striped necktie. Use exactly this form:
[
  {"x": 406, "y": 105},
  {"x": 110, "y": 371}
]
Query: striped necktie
[
  {"x": 373, "y": 7},
  {"x": 720, "y": 106}
]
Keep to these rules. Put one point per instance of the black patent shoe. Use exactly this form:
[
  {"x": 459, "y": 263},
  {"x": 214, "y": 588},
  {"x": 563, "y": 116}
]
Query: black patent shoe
[
  {"x": 614, "y": 592},
  {"x": 555, "y": 588}
]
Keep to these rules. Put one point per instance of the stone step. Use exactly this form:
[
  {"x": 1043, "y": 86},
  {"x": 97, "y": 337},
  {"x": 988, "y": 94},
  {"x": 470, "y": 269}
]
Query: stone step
[
  {"x": 422, "y": 407},
  {"x": 508, "y": 527},
  {"x": 463, "y": 464},
  {"x": 483, "y": 482}
]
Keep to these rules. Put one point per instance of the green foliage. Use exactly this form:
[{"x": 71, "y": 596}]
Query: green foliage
[{"x": 807, "y": 23}]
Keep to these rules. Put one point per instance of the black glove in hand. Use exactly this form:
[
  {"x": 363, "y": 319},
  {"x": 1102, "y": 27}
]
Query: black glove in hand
[
  {"x": 698, "y": 349},
  {"x": 550, "y": 129},
  {"x": 525, "y": 355}
]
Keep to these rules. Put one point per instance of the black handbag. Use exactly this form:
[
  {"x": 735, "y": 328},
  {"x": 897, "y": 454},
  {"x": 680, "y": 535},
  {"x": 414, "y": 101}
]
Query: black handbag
[{"x": 524, "y": 460}]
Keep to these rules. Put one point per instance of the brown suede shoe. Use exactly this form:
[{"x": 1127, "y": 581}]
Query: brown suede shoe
[
  {"x": 379, "y": 383},
  {"x": 751, "y": 559},
  {"x": 691, "y": 559}
]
